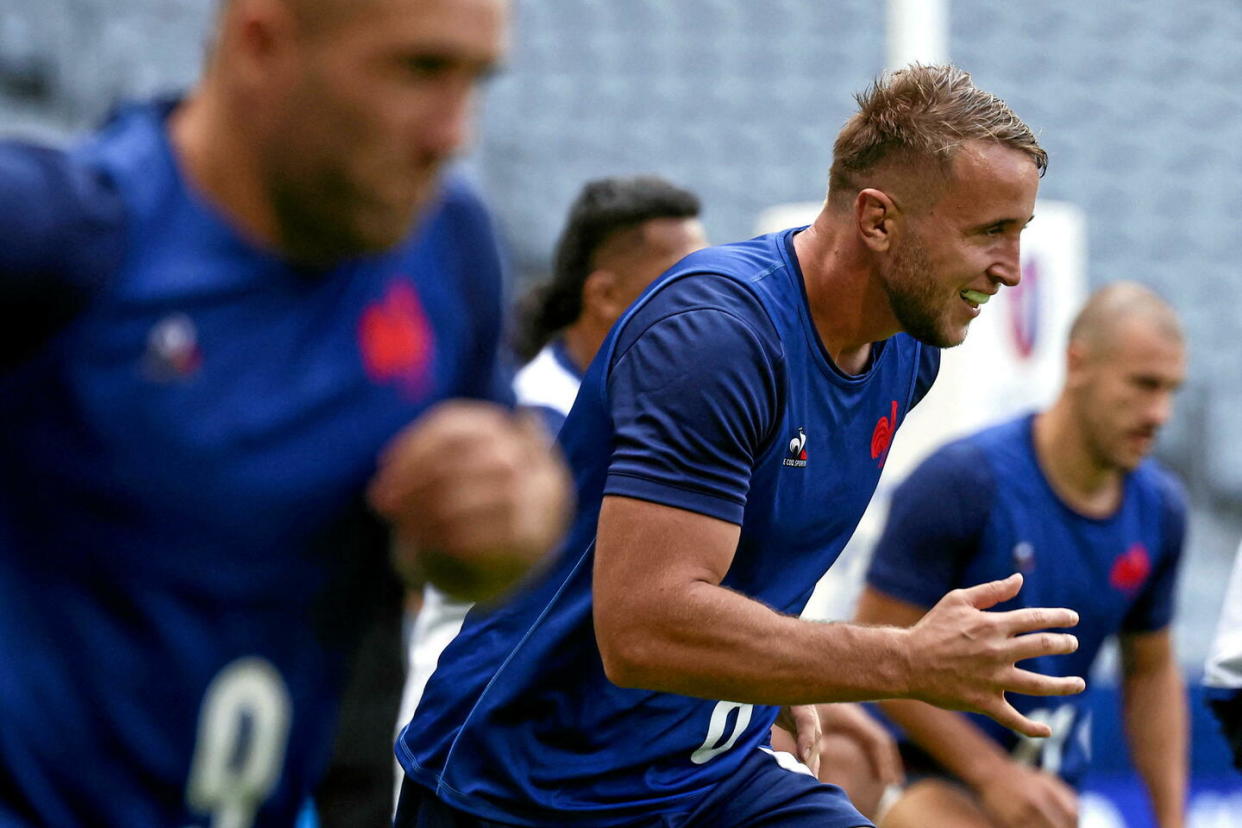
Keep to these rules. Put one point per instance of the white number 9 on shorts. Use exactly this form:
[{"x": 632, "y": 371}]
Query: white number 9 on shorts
[{"x": 243, "y": 730}]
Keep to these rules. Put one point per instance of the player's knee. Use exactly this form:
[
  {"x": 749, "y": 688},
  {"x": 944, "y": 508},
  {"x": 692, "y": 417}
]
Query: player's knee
[
  {"x": 844, "y": 762},
  {"x": 935, "y": 803}
]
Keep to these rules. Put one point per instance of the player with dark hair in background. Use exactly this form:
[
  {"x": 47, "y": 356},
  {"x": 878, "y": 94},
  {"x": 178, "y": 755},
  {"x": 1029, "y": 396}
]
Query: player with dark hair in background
[
  {"x": 1068, "y": 498},
  {"x": 215, "y": 314},
  {"x": 725, "y": 442},
  {"x": 622, "y": 232}
]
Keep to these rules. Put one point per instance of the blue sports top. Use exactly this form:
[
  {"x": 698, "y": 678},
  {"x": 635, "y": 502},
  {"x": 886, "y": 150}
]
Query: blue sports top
[
  {"x": 187, "y": 425},
  {"x": 980, "y": 509},
  {"x": 712, "y": 394}
]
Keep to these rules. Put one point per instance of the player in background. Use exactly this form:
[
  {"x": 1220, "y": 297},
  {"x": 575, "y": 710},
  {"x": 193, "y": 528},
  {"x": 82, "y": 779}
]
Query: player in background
[
  {"x": 1069, "y": 498},
  {"x": 725, "y": 441},
  {"x": 1223, "y": 676},
  {"x": 621, "y": 233},
  {"x": 218, "y": 314}
]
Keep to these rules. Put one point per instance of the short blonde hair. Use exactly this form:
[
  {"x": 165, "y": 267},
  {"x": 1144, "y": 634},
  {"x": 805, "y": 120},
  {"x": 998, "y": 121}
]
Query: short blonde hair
[{"x": 923, "y": 114}]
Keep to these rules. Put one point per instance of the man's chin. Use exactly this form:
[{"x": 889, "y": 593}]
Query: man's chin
[{"x": 939, "y": 337}]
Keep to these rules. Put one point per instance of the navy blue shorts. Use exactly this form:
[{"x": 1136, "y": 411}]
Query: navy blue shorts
[{"x": 763, "y": 793}]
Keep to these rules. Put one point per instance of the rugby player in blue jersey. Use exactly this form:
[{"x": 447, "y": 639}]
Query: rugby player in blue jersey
[
  {"x": 1068, "y": 498},
  {"x": 622, "y": 232},
  {"x": 725, "y": 441},
  {"x": 224, "y": 322}
]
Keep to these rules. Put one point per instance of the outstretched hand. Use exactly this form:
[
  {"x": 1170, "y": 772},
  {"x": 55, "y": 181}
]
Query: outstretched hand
[{"x": 963, "y": 658}]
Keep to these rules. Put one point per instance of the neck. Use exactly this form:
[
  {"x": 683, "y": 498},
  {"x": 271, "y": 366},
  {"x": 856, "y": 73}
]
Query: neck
[
  {"x": 848, "y": 304},
  {"x": 217, "y": 156},
  {"x": 1069, "y": 464},
  {"x": 582, "y": 340}
]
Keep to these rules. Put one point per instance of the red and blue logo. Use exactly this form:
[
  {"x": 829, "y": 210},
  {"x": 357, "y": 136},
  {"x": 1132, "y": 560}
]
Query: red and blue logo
[
  {"x": 396, "y": 340},
  {"x": 1024, "y": 309},
  {"x": 1130, "y": 569},
  {"x": 882, "y": 436}
]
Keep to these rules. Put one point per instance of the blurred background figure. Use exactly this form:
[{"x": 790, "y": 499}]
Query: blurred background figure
[
  {"x": 217, "y": 313},
  {"x": 1068, "y": 498}
]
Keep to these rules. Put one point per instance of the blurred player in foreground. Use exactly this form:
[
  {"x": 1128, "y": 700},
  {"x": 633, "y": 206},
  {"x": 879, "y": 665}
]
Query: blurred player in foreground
[
  {"x": 217, "y": 313},
  {"x": 1068, "y": 498},
  {"x": 725, "y": 442},
  {"x": 1223, "y": 677}
]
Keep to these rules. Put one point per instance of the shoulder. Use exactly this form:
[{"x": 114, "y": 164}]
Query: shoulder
[
  {"x": 965, "y": 459},
  {"x": 461, "y": 206},
  {"x": 1005, "y": 442},
  {"x": 690, "y": 289},
  {"x": 544, "y": 382},
  {"x": 62, "y": 215},
  {"x": 1154, "y": 476},
  {"x": 1159, "y": 483}
]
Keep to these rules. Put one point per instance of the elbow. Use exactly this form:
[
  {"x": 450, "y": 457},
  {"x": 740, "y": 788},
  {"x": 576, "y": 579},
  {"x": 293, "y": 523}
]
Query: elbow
[{"x": 626, "y": 654}]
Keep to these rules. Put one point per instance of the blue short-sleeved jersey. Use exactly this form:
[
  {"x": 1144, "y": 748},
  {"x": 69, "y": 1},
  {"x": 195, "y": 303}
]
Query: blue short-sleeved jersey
[
  {"x": 187, "y": 424},
  {"x": 981, "y": 509},
  {"x": 712, "y": 394}
]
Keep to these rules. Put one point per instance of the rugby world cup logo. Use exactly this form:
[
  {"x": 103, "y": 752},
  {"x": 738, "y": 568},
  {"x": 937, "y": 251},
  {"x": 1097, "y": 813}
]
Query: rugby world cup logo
[{"x": 1024, "y": 315}]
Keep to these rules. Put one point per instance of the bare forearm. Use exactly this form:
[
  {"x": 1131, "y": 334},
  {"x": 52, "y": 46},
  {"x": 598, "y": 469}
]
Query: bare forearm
[
  {"x": 951, "y": 739},
  {"x": 664, "y": 622},
  {"x": 715, "y": 643},
  {"x": 1156, "y": 728}
]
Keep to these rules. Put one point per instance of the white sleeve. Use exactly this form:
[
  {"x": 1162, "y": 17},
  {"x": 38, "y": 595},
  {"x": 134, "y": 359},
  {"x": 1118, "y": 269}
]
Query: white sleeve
[{"x": 1224, "y": 666}]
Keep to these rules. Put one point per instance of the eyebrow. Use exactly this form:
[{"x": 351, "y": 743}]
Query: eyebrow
[{"x": 1005, "y": 222}]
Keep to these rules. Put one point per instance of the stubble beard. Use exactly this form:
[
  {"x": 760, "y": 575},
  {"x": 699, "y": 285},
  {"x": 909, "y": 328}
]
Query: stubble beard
[{"x": 913, "y": 295}]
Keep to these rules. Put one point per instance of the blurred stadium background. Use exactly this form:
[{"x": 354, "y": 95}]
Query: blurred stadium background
[{"x": 1138, "y": 102}]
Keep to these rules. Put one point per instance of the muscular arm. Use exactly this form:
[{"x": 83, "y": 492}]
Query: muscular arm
[
  {"x": 664, "y": 622},
  {"x": 1154, "y": 712}
]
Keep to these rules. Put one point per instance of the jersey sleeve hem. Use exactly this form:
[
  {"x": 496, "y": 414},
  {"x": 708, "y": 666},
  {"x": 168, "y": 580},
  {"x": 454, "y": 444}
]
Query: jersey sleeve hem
[
  {"x": 640, "y": 488},
  {"x": 895, "y": 587}
]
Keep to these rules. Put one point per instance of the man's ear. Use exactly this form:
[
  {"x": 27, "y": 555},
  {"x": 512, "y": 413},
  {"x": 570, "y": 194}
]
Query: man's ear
[
  {"x": 599, "y": 294},
  {"x": 875, "y": 214},
  {"x": 256, "y": 36},
  {"x": 1076, "y": 361}
]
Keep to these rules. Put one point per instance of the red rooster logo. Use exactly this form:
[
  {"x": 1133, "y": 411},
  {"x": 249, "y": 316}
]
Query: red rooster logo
[
  {"x": 395, "y": 338},
  {"x": 882, "y": 437},
  {"x": 1131, "y": 569}
]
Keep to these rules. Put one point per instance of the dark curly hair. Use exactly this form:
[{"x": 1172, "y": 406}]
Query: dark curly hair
[{"x": 604, "y": 208}]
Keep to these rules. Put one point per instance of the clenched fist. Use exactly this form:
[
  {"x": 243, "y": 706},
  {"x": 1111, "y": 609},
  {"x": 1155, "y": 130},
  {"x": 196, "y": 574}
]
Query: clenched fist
[{"x": 477, "y": 496}]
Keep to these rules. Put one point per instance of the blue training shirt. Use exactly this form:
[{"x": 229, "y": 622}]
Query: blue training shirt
[
  {"x": 187, "y": 424},
  {"x": 712, "y": 394},
  {"x": 980, "y": 509}
]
